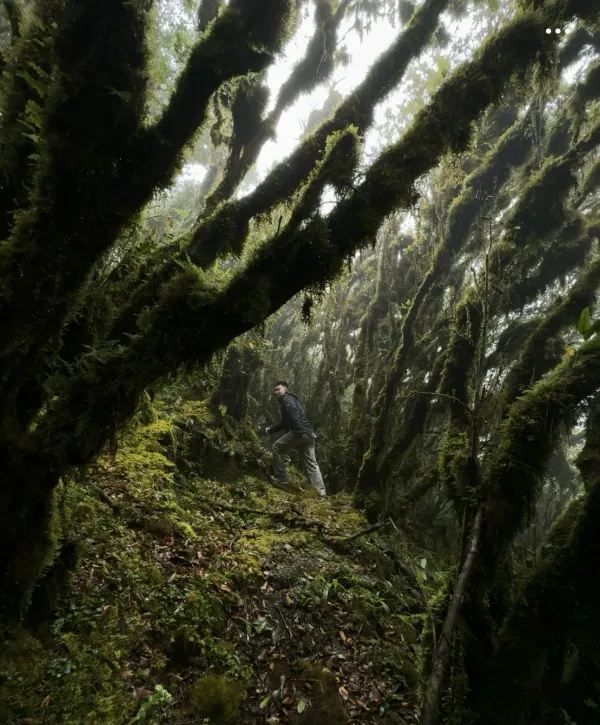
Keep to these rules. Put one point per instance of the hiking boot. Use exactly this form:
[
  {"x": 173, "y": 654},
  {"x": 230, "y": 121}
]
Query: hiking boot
[{"x": 284, "y": 485}]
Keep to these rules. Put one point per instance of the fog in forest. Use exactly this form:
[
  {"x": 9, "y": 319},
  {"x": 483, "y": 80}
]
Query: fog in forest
[{"x": 300, "y": 362}]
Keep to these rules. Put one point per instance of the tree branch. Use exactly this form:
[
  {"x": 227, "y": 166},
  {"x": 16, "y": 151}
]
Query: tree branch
[
  {"x": 240, "y": 42},
  {"x": 13, "y": 11}
]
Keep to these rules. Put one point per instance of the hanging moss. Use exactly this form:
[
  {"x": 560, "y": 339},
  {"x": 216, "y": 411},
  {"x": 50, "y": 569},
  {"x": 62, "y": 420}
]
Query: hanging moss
[
  {"x": 357, "y": 110},
  {"x": 231, "y": 394},
  {"x": 357, "y": 435},
  {"x": 207, "y": 12},
  {"x": 557, "y": 606},
  {"x": 533, "y": 363},
  {"x": 249, "y": 102},
  {"x": 529, "y": 434},
  {"x": 396, "y": 466},
  {"x": 24, "y": 88},
  {"x": 458, "y": 466},
  {"x": 316, "y": 64}
]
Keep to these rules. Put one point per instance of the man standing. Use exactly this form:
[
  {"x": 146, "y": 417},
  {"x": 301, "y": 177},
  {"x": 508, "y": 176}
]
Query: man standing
[{"x": 298, "y": 434}]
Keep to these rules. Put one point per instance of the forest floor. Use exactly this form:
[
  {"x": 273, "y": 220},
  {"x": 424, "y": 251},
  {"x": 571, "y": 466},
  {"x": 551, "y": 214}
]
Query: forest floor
[{"x": 210, "y": 596}]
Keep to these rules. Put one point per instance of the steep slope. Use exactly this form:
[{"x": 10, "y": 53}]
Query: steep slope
[{"x": 195, "y": 592}]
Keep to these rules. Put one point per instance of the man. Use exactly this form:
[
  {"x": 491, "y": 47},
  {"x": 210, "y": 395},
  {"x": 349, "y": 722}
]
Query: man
[{"x": 298, "y": 434}]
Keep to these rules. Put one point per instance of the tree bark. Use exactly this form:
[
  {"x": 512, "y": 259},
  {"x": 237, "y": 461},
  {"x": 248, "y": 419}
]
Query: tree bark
[{"x": 443, "y": 645}]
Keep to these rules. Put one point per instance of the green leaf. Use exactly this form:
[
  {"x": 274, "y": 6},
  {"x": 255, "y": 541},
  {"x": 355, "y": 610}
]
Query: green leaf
[
  {"x": 265, "y": 702},
  {"x": 584, "y": 325}
]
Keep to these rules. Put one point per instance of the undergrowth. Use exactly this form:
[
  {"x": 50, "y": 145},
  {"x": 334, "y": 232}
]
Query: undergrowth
[{"x": 206, "y": 595}]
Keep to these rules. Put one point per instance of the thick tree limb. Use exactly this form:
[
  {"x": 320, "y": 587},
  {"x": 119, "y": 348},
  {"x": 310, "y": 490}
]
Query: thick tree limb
[
  {"x": 13, "y": 10},
  {"x": 532, "y": 363},
  {"x": 559, "y": 601},
  {"x": 357, "y": 110},
  {"x": 226, "y": 229},
  {"x": 316, "y": 64},
  {"x": 76, "y": 216}
]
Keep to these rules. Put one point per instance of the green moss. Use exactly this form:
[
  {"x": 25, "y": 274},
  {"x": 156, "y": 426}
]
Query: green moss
[
  {"x": 142, "y": 454},
  {"x": 35, "y": 554},
  {"x": 216, "y": 698},
  {"x": 261, "y": 541},
  {"x": 157, "y": 525},
  {"x": 529, "y": 434},
  {"x": 357, "y": 110},
  {"x": 325, "y": 705}
]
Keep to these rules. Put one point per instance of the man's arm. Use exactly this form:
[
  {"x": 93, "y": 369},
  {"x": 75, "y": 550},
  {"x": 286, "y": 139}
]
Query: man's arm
[{"x": 278, "y": 426}]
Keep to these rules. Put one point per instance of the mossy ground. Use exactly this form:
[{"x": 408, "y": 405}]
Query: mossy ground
[{"x": 213, "y": 599}]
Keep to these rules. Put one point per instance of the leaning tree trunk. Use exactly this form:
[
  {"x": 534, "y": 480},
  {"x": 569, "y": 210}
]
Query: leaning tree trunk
[
  {"x": 558, "y": 605},
  {"x": 231, "y": 394}
]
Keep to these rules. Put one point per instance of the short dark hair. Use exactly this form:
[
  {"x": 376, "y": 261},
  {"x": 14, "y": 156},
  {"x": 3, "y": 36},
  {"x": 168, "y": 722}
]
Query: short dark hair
[{"x": 280, "y": 382}]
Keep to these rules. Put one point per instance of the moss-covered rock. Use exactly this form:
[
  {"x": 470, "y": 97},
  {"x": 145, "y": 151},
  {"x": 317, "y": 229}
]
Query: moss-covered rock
[{"x": 217, "y": 698}]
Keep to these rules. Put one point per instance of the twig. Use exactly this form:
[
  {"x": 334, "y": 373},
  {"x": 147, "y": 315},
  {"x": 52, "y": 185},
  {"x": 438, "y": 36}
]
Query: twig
[
  {"x": 105, "y": 497},
  {"x": 298, "y": 519},
  {"x": 235, "y": 537},
  {"x": 284, "y": 620},
  {"x": 453, "y": 398},
  {"x": 362, "y": 532}
]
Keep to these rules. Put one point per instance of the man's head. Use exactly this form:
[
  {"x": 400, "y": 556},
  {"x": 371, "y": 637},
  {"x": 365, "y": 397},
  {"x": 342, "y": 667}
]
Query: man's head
[{"x": 280, "y": 388}]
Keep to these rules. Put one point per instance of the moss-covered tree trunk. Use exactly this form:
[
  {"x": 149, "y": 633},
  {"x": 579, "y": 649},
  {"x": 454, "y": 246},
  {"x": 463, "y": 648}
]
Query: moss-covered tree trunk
[{"x": 555, "y": 613}]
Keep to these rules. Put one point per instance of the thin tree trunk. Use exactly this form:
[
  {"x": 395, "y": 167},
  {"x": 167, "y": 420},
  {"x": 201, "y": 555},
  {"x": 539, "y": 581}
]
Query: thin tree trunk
[{"x": 440, "y": 663}]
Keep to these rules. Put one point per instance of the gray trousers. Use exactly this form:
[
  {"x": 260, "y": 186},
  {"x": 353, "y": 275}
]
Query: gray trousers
[{"x": 305, "y": 443}]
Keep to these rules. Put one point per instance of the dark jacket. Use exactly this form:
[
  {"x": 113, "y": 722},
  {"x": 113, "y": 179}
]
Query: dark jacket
[{"x": 293, "y": 417}]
